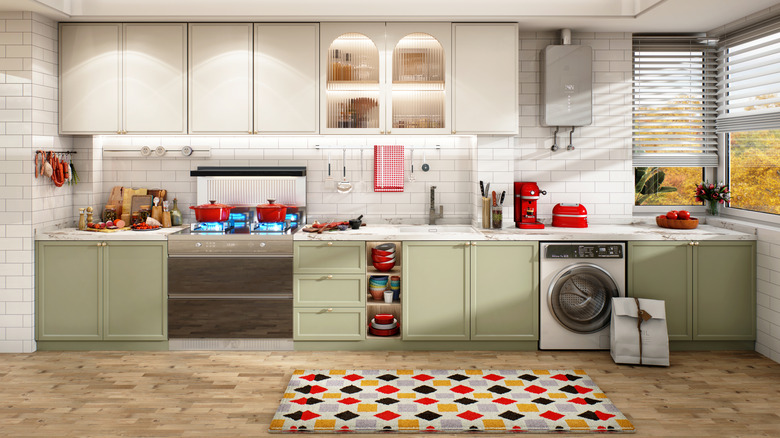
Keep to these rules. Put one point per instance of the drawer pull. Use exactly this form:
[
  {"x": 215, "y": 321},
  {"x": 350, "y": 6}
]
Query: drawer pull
[
  {"x": 330, "y": 243},
  {"x": 690, "y": 243},
  {"x": 329, "y": 277},
  {"x": 696, "y": 243},
  {"x": 330, "y": 309}
]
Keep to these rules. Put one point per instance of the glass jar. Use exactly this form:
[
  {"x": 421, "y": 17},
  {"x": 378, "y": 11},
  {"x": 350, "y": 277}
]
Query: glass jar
[
  {"x": 144, "y": 212},
  {"x": 109, "y": 213}
]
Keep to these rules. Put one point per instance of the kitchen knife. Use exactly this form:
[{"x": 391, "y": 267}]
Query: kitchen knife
[
  {"x": 501, "y": 202},
  {"x": 482, "y": 188},
  {"x": 494, "y": 198}
]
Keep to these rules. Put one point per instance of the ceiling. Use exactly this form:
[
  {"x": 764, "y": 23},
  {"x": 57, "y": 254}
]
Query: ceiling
[{"x": 578, "y": 15}]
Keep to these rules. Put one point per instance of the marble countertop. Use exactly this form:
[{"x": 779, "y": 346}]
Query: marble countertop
[
  {"x": 76, "y": 234},
  {"x": 598, "y": 232}
]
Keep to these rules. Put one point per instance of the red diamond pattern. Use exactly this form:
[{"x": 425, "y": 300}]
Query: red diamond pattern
[
  {"x": 550, "y": 415},
  {"x": 535, "y": 389},
  {"x": 578, "y": 401},
  {"x": 469, "y": 415},
  {"x": 504, "y": 401},
  {"x": 387, "y": 415},
  {"x": 603, "y": 415},
  {"x": 582, "y": 389},
  {"x": 422, "y": 377},
  {"x": 387, "y": 389},
  {"x": 426, "y": 401},
  {"x": 308, "y": 415},
  {"x": 309, "y": 377},
  {"x": 460, "y": 389},
  {"x": 349, "y": 401},
  {"x": 300, "y": 401},
  {"x": 493, "y": 377},
  {"x": 353, "y": 377},
  {"x": 560, "y": 377},
  {"x": 316, "y": 389}
]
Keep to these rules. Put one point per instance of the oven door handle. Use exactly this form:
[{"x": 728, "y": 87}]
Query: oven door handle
[
  {"x": 230, "y": 297},
  {"x": 243, "y": 256}
]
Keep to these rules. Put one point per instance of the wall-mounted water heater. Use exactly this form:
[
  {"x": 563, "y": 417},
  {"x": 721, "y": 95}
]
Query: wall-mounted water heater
[{"x": 567, "y": 84}]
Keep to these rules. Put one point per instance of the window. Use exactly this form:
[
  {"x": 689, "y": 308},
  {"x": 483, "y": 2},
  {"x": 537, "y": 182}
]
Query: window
[
  {"x": 749, "y": 117},
  {"x": 674, "y": 110}
]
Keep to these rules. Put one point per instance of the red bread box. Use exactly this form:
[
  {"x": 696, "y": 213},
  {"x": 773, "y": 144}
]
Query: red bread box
[{"x": 570, "y": 216}]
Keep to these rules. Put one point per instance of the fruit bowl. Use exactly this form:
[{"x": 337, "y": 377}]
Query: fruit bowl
[{"x": 678, "y": 224}]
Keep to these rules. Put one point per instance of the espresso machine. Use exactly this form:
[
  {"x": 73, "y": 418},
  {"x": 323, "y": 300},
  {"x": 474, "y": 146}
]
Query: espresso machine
[{"x": 526, "y": 195}]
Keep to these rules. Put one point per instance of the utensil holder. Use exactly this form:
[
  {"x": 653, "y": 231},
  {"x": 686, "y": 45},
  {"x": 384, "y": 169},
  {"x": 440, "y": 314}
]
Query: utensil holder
[
  {"x": 497, "y": 216},
  {"x": 485, "y": 212}
]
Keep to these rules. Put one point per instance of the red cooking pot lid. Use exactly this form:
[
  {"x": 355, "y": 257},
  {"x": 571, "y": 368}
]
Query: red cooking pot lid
[
  {"x": 212, "y": 204},
  {"x": 271, "y": 204}
]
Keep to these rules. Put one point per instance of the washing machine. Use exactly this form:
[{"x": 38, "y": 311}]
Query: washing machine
[{"x": 577, "y": 283}]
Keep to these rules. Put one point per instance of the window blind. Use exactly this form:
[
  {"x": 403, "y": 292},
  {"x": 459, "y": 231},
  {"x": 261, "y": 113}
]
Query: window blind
[
  {"x": 749, "y": 79},
  {"x": 674, "y": 102}
]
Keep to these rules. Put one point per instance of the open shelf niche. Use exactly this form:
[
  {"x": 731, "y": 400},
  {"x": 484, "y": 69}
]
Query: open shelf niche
[{"x": 375, "y": 307}]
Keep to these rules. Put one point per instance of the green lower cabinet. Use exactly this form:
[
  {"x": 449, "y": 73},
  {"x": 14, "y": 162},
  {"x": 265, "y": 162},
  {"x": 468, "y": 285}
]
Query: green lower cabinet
[
  {"x": 435, "y": 291},
  {"x": 325, "y": 290},
  {"x": 708, "y": 286},
  {"x": 101, "y": 292},
  {"x": 504, "y": 291},
  {"x": 329, "y": 324}
]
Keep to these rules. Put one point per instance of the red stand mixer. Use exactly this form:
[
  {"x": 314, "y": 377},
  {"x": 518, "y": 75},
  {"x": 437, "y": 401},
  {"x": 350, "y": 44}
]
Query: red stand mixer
[{"x": 526, "y": 195}]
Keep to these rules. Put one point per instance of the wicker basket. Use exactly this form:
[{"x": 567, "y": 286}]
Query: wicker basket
[{"x": 679, "y": 224}]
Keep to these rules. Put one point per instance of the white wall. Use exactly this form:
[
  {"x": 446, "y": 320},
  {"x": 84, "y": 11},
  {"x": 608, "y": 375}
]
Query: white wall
[{"x": 28, "y": 121}]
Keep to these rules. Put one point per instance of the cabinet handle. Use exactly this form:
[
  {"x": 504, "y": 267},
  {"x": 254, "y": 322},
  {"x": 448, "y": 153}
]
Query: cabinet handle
[
  {"x": 453, "y": 131},
  {"x": 98, "y": 244},
  {"x": 388, "y": 131},
  {"x": 257, "y": 132},
  {"x": 329, "y": 277},
  {"x": 330, "y": 243},
  {"x": 119, "y": 132},
  {"x": 690, "y": 243},
  {"x": 330, "y": 309},
  {"x": 124, "y": 132},
  {"x": 696, "y": 243},
  {"x": 105, "y": 244}
]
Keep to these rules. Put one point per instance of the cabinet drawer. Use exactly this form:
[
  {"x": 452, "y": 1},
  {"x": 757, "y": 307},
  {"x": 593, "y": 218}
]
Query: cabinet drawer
[
  {"x": 329, "y": 258},
  {"x": 329, "y": 290},
  {"x": 329, "y": 324}
]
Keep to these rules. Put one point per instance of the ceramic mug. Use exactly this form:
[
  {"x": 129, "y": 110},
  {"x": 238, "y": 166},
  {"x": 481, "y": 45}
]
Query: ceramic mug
[{"x": 388, "y": 296}]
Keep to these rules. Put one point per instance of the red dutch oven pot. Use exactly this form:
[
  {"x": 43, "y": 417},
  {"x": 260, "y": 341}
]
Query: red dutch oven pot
[
  {"x": 271, "y": 212},
  {"x": 212, "y": 212}
]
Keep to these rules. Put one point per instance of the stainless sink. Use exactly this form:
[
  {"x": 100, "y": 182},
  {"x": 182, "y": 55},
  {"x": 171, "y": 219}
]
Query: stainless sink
[{"x": 421, "y": 229}]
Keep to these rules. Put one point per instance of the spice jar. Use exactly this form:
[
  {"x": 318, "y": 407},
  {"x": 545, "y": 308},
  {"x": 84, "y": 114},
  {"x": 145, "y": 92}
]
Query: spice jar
[
  {"x": 82, "y": 220},
  {"x": 109, "y": 213},
  {"x": 144, "y": 212}
]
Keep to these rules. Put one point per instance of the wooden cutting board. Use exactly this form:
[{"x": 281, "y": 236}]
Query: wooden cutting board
[
  {"x": 106, "y": 230},
  {"x": 115, "y": 199}
]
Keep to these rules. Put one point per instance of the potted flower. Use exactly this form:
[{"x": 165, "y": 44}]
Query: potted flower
[{"x": 713, "y": 195}]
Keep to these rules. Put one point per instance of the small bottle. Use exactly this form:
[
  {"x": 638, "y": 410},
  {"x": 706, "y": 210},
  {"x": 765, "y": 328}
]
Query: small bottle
[
  {"x": 336, "y": 66},
  {"x": 82, "y": 220},
  {"x": 176, "y": 218},
  {"x": 346, "y": 67}
]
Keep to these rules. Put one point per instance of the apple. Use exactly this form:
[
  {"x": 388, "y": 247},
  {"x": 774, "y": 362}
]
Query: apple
[
  {"x": 109, "y": 224},
  {"x": 672, "y": 215},
  {"x": 684, "y": 215},
  {"x": 91, "y": 225}
]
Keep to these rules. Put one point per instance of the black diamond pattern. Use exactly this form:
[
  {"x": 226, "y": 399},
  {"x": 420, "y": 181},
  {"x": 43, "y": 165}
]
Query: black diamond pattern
[
  {"x": 351, "y": 389},
  {"x": 295, "y": 415},
  {"x": 313, "y": 401},
  {"x": 387, "y": 401},
  {"x": 424, "y": 389},
  {"x": 498, "y": 389},
  {"x": 346, "y": 415},
  {"x": 511, "y": 416},
  {"x": 590, "y": 415},
  {"x": 572, "y": 377},
  {"x": 387, "y": 377},
  {"x": 543, "y": 401},
  {"x": 304, "y": 389},
  {"x": 528, "y": 377},
  {"x": 591, "y": 401},
  {"x": 465, "y": 401},
  {"x": 319, "y": 377},
  {"x": 570, "y": 389},
  {"x": 458, "y": 377},
  {"x": 428, "y": 415}
]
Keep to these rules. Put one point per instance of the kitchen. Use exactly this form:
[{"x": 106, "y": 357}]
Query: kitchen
[{"x": 597, "y": 173}]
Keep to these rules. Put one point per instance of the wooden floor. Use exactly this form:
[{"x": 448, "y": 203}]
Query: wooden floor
[{"x": 215, "y": 394}]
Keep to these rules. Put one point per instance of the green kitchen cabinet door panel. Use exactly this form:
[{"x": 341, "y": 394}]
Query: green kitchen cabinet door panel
[
  {"x": 329, "y": 290},
  {"x": 135, "y": 282},
  {"x": 435, "y": 291},
  {"x": 68, "y": 291},
  {"x": 504, "y": 291},
  {"x": 332, "y": 257},
  {"x": 663, "y": 271},
  {"x": 724, "y": 300},
  {"x": 329, "y": 324}
]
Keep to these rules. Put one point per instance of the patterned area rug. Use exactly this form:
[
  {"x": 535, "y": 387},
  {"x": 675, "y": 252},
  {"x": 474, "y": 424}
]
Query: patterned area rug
[{"x": 500, "y": 401}]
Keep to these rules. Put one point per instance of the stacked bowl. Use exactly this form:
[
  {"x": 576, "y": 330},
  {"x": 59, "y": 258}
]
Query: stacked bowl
[
  {"x": 383, "y": 324},
  {"x": 395, "y": 286},
  {"x": 377, "y": 284},
  {"x": 383, "y": 256}
]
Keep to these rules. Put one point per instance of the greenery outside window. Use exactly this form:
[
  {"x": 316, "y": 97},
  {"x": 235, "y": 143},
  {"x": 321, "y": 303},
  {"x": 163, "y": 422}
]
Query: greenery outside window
[{"x": 674, "y": 111}]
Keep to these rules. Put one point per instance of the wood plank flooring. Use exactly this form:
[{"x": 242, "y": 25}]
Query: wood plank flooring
[{"x": 235, "y": 394}]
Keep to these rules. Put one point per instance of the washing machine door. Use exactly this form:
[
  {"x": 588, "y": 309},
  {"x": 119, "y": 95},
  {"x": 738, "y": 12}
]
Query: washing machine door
[{"x": 580, "y": 297}]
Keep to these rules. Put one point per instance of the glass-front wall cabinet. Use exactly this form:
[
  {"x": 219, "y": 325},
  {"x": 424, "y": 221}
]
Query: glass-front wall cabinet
[{"x": 386, "y": 78}]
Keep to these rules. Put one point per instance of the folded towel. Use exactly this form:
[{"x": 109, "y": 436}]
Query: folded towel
[{"x": 388, "y": 168}]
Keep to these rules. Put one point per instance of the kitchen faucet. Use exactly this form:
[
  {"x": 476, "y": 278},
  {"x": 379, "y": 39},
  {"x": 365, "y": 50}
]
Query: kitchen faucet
[{"x": 432, "y": 215}]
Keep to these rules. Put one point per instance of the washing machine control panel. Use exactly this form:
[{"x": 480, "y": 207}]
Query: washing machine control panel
[{"x": 584, "y": 251}]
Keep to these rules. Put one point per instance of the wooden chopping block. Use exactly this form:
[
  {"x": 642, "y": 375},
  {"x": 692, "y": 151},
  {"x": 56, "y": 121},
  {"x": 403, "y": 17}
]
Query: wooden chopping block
[{"x": 115, "y": 199}]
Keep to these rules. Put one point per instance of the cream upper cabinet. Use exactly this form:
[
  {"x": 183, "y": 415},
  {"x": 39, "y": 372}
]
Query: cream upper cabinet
[
  {"x": 220, "y": 78},
  {"x": 418, "y": 78},
  {"x": 286, "y": 75},
  {"x": 90, "y": 78},
  {"x": 154, "y": 89},
  {"x": 485, "y": 71}
]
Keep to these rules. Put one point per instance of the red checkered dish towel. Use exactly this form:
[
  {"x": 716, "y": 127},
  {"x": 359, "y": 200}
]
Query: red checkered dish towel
[{"x": 388, "y": 168}]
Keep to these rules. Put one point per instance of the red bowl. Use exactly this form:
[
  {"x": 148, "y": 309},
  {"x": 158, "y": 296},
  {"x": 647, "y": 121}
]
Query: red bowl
[
  {"x": 382, "y": 259},
  {"x": 379, "y": 252},
  {"x": 384, "y": 318},
  {"x": 377, "y": 332},
  {"x": 386, "y": 266}
]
